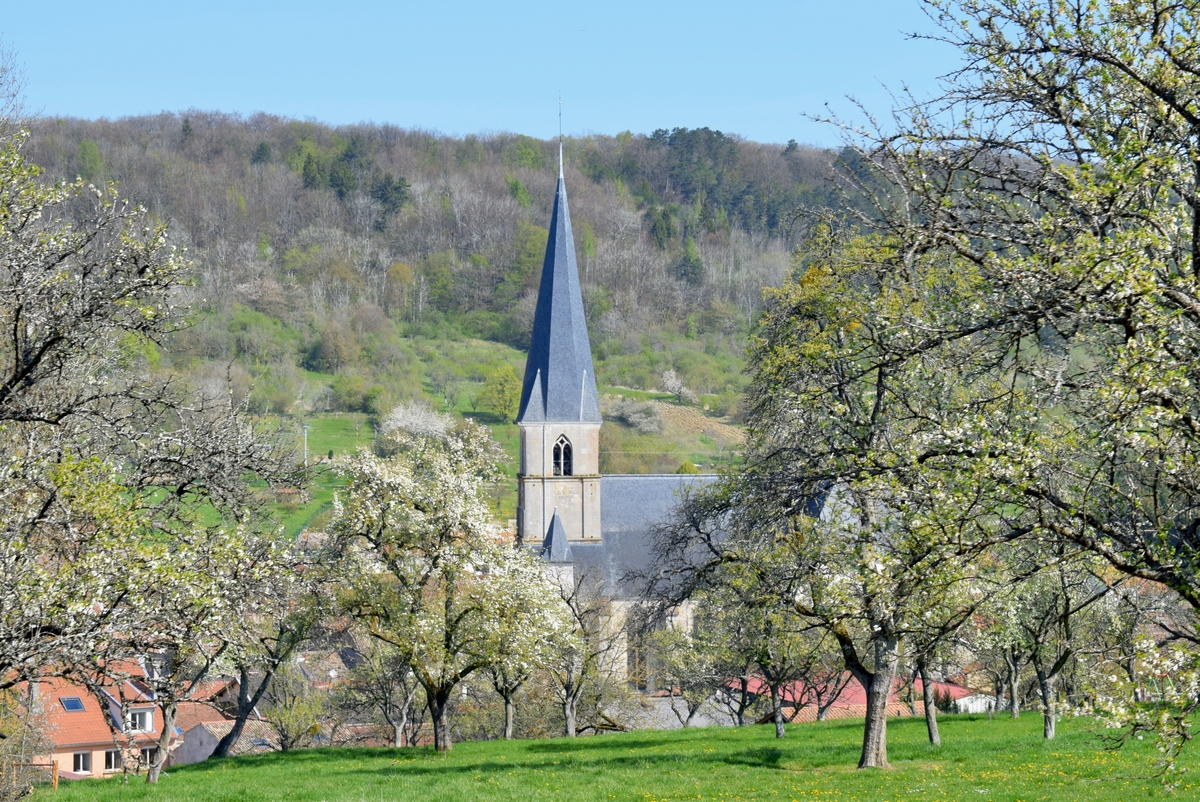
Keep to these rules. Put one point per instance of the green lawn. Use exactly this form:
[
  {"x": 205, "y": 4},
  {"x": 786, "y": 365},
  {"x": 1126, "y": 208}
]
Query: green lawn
[{"x": 982, "y": 760}]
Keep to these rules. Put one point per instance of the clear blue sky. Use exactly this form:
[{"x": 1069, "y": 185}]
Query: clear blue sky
[{"x": 751, "y": 67}]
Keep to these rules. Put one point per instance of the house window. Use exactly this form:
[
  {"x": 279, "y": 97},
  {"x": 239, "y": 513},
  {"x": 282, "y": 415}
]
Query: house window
[
  {"x": 562, "y": 456},
  {"x": 82, "y": 763},
  {"x": 112, "y": 760},
  {"x": 148, "y": 755},
  {"x": 140, "y": 721},
  {"x": 72, "y": 704}
]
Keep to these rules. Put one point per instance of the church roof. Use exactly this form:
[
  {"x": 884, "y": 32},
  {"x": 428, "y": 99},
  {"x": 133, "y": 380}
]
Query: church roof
[
  {"x": 555, "y": 547},
  {"x": 631, "y": 505},
  {"x": 560, "y": 384}
]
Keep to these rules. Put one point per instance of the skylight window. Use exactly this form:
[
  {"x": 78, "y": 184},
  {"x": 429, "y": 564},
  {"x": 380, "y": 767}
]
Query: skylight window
[{"x": 72, "y": 704}]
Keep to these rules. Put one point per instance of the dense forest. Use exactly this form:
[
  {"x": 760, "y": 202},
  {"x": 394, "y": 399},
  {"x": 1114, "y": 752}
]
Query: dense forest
[{"x": 328, "y": 259}]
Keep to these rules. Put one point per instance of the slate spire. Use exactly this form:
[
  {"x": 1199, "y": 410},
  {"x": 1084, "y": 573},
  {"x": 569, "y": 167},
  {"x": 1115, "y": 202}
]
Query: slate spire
[
  {"x": 560, "y": 385},
  {"x": 555, "y": 547}
]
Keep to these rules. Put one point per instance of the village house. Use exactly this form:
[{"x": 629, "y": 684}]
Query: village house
[
  {"x": 200, "y": 741},
  {"x": 89, "y": 737}
]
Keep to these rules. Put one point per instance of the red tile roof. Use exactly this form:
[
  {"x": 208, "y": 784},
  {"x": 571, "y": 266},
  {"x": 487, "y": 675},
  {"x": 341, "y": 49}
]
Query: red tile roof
[
  {"x": 189, "y": 714},
  {"x": 88, "y": 727}
]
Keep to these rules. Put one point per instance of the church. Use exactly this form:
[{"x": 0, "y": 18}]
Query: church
[{"x": 595, "y": 524}]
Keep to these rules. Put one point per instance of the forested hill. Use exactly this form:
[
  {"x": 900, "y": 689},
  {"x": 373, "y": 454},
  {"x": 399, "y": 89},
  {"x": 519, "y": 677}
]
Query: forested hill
[{"x": 323, "y": 254}]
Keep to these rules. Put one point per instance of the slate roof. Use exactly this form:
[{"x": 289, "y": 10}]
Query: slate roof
[
  {"x": 555, "y": 547},
  {"x": 560, "y": 384},
  {"x": 630, "y": 506}
]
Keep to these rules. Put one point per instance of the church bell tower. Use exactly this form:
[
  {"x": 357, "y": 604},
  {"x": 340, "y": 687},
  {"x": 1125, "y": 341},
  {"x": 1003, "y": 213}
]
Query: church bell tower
[{"x": 559, "y": 417}]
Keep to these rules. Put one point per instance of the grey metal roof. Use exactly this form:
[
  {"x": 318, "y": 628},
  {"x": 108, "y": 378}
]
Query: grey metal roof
[
  {"x": 560, "y": 384},
  {"x": 555, "y": 547},
  {"x": 630, "y": 506}
]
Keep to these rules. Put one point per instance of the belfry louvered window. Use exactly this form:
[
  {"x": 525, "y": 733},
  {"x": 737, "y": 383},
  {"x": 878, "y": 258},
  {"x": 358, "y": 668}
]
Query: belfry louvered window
[{"x": 562, "y": 456}]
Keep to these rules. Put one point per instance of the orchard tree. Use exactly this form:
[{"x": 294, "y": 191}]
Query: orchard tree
[
  {"x": 529, "y": 628},
  {"x": 197, "y": 593},
  {"x": 590, "y": 660},
  {"x": 288, "y": 617},
  {"x": 83, "y": 308},
  {"x": 383, "y": 685},
  {"x": 748, "y": 616},
  {"x": 854, "y": 491},
  {"x": 1059, "y": 172},
  {"x": 1069, "y": 191},
  {"x": 295, "y": 709},
  {"x": 427, "y": 571},
  {"x": 501, "y": 393},
  {"x": 107, "y": 463},
  {"x": 686, "y": 666},
  {"x": 21, "y": 742}
]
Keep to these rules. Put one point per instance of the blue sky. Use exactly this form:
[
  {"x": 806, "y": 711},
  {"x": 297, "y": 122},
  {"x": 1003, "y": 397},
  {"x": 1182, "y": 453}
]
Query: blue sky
[{"x": 751, "y": 67}]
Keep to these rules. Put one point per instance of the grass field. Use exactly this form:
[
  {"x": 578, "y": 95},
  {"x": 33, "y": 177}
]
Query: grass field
[
  {"x": 981, "y": 760},
  {"x": 343, "y": 434}
]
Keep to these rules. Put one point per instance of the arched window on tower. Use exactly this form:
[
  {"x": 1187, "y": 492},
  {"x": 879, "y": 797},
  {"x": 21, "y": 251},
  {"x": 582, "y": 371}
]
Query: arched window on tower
[{"x": 562, "y": 456}]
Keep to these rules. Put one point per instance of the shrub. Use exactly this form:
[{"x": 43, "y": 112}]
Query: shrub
[{"x": 639, "y": 416}]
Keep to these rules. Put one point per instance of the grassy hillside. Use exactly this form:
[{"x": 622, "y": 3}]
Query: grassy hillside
[{"x": 982, "y": 760}]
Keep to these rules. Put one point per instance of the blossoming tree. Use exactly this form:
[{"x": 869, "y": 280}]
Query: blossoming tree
[{"x": 430, "y": 574}]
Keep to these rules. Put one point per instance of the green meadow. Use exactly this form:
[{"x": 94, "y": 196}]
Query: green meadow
[{"x": 982, "y": 759}]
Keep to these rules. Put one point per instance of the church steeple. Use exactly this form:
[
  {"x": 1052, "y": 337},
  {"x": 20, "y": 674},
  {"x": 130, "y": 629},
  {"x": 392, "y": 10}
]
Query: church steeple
[{"x": 560, "y": 385}]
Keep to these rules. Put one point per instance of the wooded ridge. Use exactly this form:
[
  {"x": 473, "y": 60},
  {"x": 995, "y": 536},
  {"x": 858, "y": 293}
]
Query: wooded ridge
[{"x": 327, "y": 250}]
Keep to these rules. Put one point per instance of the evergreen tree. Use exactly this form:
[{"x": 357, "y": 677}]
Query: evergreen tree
[
  {"x": 313, "y": 173},
  {"x": 690, "y": 267}
]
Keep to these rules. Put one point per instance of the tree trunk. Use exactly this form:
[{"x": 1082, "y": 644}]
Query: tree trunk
[
  {"x": 569, "y": 715},
  {"x": 246, "y": 706},
  {"x": 777, "y": 711},
  {"x": 1046, "y": 691},
  {"x": 439, "y": 703},
  {"x": 164, "y": 743},
  {"x": 879, "y": 690},
  {"x": 1014, "y": 681},
  {"x": 743, "y": 701},
  {"x": 411, "y": 727},
  {"x": 398, "y": 735},
  {"x": 930, "y": 705},
  {"x": 510, "y": 711}
]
